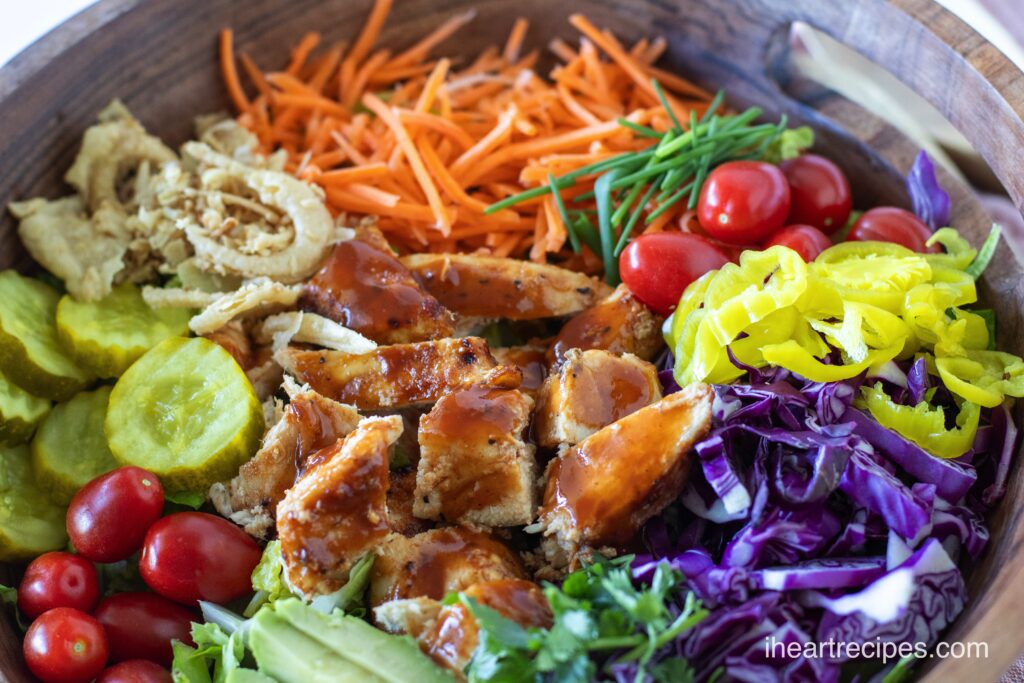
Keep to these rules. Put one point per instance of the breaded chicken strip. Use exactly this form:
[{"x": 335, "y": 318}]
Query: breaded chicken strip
[
  {"x": 618, "y": 323},
  {"x": 494, "y": 287},
  {"x": 601, "y": 491},
  {"x": 337, "y": 511},
  {"x": 392, "y": 376},
  {"x": 366, "y": 288},
  {"x": 589, "y": 391},
  {"x": 475, "y": 465},
  {"x": 310, "y": 422},
  {"x": 438, "y": 562}
]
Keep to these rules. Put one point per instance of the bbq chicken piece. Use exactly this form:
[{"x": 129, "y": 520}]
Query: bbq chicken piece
[
  {"x": 401, "y": 495},
  {"x": 438, "y": 562},
  {"x": 449, "y": 633},
  {"x": 455, "y": 634},
  {"x": 392, "y": 376},
  {"x": 310, "y": 422},
  {"x": 366, "y": 288},
  {"x": 591, "y": 390},
  {"x": 494, "y": 287},
  {"x": 532, "y": 363},
  {"x": 602, "y": 490},
  {"x": 337, "y": 511},
  {"x": 476, "y": 466},
  {"x": 619, "y": 323}
]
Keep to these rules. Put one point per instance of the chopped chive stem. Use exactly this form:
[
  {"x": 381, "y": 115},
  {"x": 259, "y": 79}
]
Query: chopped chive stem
[
  {"x": 603, "y": 195},
  {"x": 588, "y": 234},
  {"x": 574, "y": 239},
  {"x": 633, "y": 220},
  {"x": 664, "y": 103}
]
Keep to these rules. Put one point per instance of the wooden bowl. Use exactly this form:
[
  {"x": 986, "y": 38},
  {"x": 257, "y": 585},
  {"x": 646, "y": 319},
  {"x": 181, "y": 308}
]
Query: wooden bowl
[{"x": 159, "y": 56}]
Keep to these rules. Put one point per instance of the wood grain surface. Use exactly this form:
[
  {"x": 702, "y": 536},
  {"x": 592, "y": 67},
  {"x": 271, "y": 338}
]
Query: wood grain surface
[{"x": 159, "y": 56}]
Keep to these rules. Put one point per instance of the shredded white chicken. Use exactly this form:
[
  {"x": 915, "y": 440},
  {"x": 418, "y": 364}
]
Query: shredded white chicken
[
  {"x": 256, "y": 298},
  {"x": 298, "y": 326}
]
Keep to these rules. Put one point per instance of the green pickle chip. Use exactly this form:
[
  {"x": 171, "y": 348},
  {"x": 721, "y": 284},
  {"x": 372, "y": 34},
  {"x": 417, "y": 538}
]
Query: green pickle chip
[
  {"x": 108, "y": 335},
  {"x": 186, "y": 412},
  {"x": 30, "y": 523},
  {"x": 30, "y": 353},
  {"x": 20, "y": 413},
  {"x": 70, "y": 449}
]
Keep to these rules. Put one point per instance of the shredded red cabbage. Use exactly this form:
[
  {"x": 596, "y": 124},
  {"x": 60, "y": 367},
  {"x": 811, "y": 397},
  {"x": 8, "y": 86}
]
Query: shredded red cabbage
[{"x": 806, "y": 515}]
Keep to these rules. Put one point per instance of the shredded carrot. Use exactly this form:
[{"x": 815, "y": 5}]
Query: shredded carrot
[
  {"x": 230, "y": 71},
  {"x": 427, "y": 144}
]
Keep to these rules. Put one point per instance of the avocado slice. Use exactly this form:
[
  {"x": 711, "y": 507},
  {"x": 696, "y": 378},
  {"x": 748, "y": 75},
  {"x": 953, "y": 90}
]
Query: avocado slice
[
  {"x": 389, "y": 658},
  {"x": 288, "y": 655},
  {"x": 247, "y": 676}
]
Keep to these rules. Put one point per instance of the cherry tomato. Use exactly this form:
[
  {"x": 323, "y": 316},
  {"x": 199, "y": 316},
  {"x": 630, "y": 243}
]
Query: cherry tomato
[
  {"x": 889, "y": 224},
  {"x": 743, "y": 202},
  {"x": 657, "y": 267},
  {"x": 58, "y": 580},
  {"x": 65, "y": 645},
  {"x": 142, "y": 625},
  {"x": 108, "y": 518},
  {"x": 805, "y": 240},
  {"x": 135, "y": 671},
  {"x": 192, "y": 556},
  {"x": 820, "y": 192}
]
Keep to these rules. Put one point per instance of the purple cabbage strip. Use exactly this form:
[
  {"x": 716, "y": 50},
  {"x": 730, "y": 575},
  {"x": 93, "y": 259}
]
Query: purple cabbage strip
[
  {"x": 931, "y": 203},
  {"x": 951, "y": 479},
  {"x": 1002, "y": 420},
  {"x": 868, "y": 483}
]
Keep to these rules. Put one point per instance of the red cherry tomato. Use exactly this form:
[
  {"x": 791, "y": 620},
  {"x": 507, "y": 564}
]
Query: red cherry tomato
[
  {"x": 65, "y": 645},
  {"x": 142, "y": 625},
  {"x": 805, "y": 240},
  {"x": 135, "y": 671},
  {"x": 820, "y": 192},
  {"x": 657, "y": 267},
  {"x": 743, "y": 202},
  {"x": 889, "y": 224},
  {"x": 108, "y": 518},
  {"x": 193, "y": 556},
  {"x": 58, "y": 580}
]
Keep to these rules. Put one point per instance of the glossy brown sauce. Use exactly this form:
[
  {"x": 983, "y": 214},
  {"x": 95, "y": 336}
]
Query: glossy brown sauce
[
  {"x": 455, "y": 636},
  {"x": 348, "y": 509},
  {"x": 316, "y": 431},
  {"x": 532, "y": 363},
  {"x": 395, "y": 375},
  {"x": 610, "y": 391},
  {"x": 602, "y": 326},
  {"x": 366, "y": 288},
  {"x": 446, "y": 558},
  {"x": 471, "y": 422},
  {"x": 479, "y": 289},
  {"x": 609, "y": 482}
]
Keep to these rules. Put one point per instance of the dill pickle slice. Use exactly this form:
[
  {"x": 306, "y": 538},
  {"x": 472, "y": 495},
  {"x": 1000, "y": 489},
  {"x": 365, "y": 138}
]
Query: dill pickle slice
[
  {"x": 70, "y": 448},
  {"x": 186, "y": 412},
  {"x": 108, "y": 335},
  {"x": 30, "y": 353},
  {"x": 20, "y": 413},
  {"x": 30, "y": 523}
]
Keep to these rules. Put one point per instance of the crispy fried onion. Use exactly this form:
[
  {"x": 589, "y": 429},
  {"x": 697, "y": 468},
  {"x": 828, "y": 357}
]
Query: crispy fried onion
[{"x": 255, "y": 222}]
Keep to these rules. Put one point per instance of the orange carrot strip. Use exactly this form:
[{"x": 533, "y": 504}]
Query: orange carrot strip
[
  {"x": 441, "y": 215},
  {"x": 562, "y": 50},
  {"x": 323, "y": 72},
  {"x": 581, "y": 112},
  {"x": 371, "y": 30},
  {"x": 515, "y": 40},
  {"x": 347, "y": 201},
  {"x": 311, "y": 102},
  {"x": 352, "y": 174},
  {"x": 445, "y": 179},
  {"x": 423, "y": 47},
  {"x": 230, "y": 71},
  {"x": 254, "y": 74},
  {"x": 355, "y": 155},
  {"x": 434, "y": 82},
  {"x": 301, "y": 52},
  {"x": 441, "y": 125},
  {"x": 498, "y": 135},
  {"x": 362, "y": 76},
  {"x": 372, "y": 194}
]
